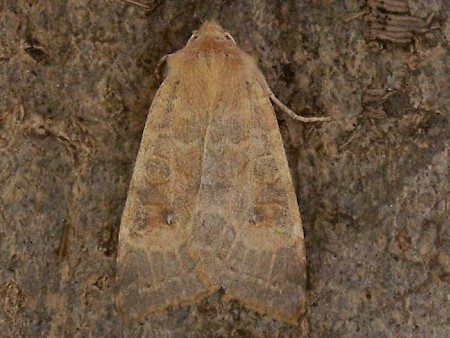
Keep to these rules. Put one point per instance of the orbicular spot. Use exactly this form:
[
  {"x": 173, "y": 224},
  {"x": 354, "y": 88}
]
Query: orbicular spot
[
  {"x": 157, "y": 171},
  {"x": 265, "y": 170}
]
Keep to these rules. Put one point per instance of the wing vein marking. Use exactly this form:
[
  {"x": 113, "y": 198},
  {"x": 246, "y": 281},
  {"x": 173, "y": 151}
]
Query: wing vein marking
[
  {"x": 205, "y": 138},
  {"x": 244, "y": 256},
  {"x": 151, "y": 270},
  {"x": 258, "y": 280},
  {"x": 187, "y": 269},
  {"x": 236, "y": 239},
  {"x": 270, "y": 274}
]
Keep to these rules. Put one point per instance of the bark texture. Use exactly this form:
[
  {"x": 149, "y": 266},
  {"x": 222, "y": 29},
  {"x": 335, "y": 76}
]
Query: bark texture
[{"x": 76, "y": 82}]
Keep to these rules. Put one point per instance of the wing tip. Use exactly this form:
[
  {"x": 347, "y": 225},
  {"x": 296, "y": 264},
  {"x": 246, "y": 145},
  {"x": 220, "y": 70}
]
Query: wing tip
[
  {"x": 128, "y": 315},
  {"x": 283, "y": 316}
]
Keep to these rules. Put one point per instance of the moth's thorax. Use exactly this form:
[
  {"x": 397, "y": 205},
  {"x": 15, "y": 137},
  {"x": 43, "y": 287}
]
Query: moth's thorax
[
  {"x": 211, "y": 70},
  {"x": 208, "y": 48}
]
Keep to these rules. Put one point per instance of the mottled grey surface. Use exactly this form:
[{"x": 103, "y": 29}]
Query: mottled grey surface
[{"x": 76, "y": 82}]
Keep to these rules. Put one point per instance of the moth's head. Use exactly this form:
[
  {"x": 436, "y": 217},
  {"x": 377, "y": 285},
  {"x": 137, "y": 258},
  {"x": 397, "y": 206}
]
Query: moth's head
[{"x": 211, "y": 30}]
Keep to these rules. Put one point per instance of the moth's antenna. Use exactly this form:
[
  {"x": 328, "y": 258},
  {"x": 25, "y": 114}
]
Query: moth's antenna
[
  {"x": 293, "y": 115},
  {"x": 160, "y": 65},
  {"x": 139, "y": 4}
]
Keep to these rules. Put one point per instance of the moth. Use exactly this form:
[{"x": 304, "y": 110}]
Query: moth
[{"x": 211, "y": 202}]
